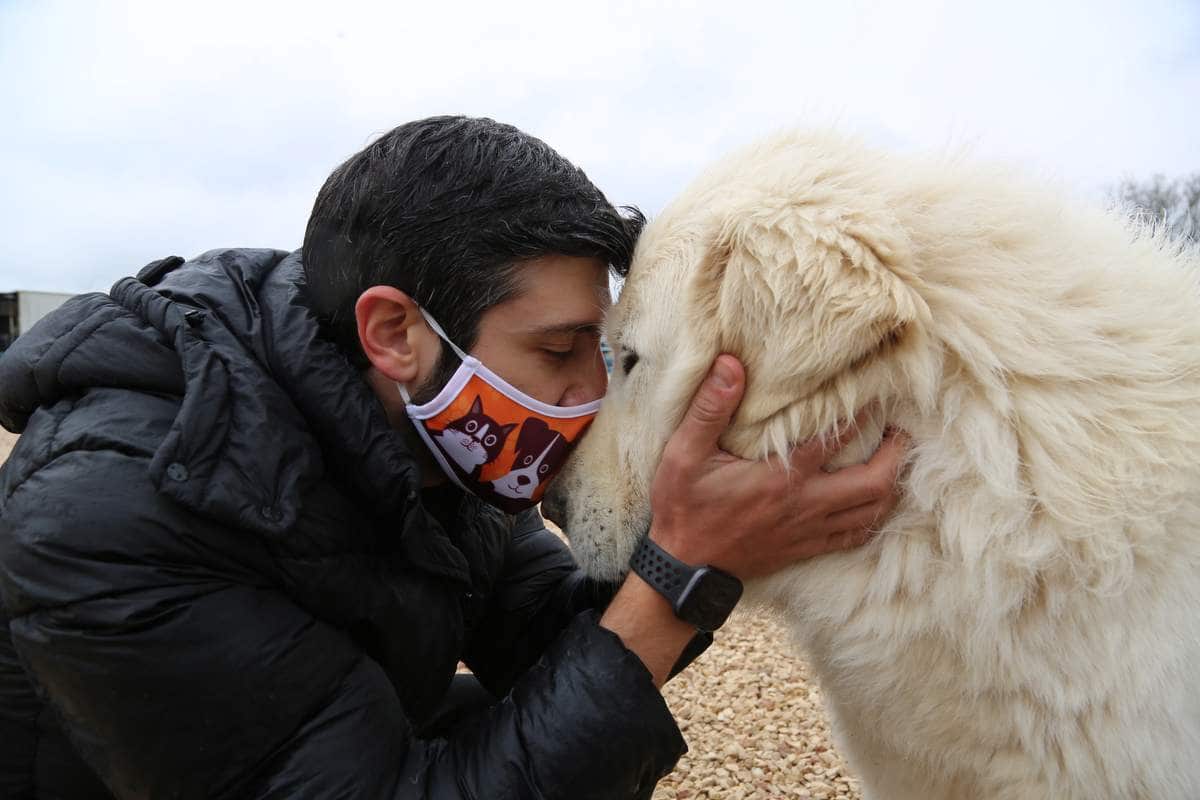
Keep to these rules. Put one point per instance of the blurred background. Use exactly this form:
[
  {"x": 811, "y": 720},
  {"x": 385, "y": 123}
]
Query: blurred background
[{"x": 136, "y": 130}]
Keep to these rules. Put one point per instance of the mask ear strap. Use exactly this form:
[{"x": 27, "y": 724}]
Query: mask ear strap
[
  {"x": 438, "y": 330},
  {"x": 432, "y": 323}
]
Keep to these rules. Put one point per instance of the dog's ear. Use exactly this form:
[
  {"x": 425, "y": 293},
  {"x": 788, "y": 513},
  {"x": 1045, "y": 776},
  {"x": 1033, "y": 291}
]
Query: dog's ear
[{"x": 809, "y": 291}]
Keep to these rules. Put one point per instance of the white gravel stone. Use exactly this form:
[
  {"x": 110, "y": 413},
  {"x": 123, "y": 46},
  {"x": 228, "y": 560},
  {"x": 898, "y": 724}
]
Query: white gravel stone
[{"x": 753, "y": 721}]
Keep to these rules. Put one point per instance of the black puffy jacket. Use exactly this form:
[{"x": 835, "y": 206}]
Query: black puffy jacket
[{"x": 217, "y": 567}]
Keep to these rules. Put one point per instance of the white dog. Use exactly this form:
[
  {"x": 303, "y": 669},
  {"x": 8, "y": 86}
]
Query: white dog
[{"x": 1027, "y": 624}]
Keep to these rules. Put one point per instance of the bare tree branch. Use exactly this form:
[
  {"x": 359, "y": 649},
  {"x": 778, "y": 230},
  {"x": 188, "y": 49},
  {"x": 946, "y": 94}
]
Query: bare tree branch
[{"x": 1171, "y": 205}]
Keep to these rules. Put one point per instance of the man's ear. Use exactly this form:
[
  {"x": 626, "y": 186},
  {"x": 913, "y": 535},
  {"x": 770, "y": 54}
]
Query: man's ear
[
  {"x": 809, "y": 291},
  {"x": 393, "y": 334}
]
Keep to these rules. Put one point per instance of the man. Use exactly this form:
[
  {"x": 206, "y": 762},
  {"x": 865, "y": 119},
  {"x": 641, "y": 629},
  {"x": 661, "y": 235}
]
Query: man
[{"x": 235, "y": 562}]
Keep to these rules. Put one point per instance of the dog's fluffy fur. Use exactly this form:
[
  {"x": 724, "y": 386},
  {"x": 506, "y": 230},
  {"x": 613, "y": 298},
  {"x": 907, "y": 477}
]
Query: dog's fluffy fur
[{"x": 1027, "y": 624}]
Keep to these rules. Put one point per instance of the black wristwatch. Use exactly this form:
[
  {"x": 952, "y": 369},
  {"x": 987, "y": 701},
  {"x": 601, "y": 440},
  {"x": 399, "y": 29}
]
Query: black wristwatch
[{"x": 701, "y": 596}]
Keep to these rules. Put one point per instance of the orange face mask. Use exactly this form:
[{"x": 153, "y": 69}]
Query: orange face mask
[{"x": 491, "y": 438}]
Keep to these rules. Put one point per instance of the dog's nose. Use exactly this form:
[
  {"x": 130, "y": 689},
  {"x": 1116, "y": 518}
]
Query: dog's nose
[{"x": 522, "y": 480}]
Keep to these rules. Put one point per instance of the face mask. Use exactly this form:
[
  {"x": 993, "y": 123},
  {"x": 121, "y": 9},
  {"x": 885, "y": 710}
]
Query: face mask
[{"x": 491, "y": 438}]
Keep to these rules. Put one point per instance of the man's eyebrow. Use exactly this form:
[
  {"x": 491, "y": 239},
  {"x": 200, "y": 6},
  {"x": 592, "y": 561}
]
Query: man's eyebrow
[{"x": 560, "y": 328}]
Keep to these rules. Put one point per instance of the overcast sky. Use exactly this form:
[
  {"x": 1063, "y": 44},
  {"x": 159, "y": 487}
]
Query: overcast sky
[{"x": 131, "y": 131}]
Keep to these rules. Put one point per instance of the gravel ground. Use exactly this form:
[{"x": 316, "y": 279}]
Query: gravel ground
[
  {"x": 753, "y": 722},
  {"x": 750, "y": 714}
]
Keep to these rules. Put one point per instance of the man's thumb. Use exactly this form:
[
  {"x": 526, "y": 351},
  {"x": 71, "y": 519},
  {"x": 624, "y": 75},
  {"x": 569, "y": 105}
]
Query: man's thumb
[{"x": 714, "y": 403}]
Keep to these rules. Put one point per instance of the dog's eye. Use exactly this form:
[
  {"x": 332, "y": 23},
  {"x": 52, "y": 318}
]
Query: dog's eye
[{"x": 629, "y": 361}]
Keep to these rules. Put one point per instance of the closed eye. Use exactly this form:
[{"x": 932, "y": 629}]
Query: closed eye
[{"x": 629, "y": 361}]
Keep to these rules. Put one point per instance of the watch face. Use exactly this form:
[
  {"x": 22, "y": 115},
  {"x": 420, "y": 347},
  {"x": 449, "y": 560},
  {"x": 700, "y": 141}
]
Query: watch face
[{"x": 708, "y": 598}]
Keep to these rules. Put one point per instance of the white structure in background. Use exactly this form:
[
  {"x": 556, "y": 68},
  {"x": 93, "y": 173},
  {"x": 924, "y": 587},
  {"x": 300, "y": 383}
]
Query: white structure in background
[{"x": 20, "y": 310}]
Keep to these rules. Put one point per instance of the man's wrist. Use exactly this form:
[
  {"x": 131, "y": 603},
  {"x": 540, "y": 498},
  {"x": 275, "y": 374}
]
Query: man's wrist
[
  {"x": 647, "y": 625},
  {"x": 700, "y": 594},
  {"x": 677, "y": 543}
]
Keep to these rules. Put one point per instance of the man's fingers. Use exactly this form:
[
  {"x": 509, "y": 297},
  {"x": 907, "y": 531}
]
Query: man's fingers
[
  {"x": 711, "y": 409},
  {"x": 832, "y": 543},
  {"x": 858, "y": 484},
  {"x": 850, "y": 487},
  {"x": 817, "y": 451},
  {"x": 848, "y": 540},
  {"x": 890, "y": 455},
  {"x": 846, "y": 433},
  {"x": 867, "y": 515}
]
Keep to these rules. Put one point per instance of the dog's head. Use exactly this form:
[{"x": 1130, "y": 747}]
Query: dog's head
[{"x": 782, "y": 256}]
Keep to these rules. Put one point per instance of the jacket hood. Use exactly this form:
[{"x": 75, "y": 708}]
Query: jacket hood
[{"x": 267, "y": 404}]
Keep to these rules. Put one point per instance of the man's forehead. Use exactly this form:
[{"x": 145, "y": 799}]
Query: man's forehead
[
  {"x": 559, "y": 298},
  {"x": 565, "y": 327},
  {"x": 561, "y": 317}
]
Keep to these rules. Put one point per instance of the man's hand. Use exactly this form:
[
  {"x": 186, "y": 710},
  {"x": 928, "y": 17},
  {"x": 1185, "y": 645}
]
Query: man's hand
[
  {"x": 752, "y": 518},
  {"x": 749, "y": 518}
]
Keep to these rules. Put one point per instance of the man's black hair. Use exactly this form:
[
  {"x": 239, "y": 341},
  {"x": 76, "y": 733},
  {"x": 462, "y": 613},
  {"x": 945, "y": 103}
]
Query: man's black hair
[{"x": 446, "y": 209}]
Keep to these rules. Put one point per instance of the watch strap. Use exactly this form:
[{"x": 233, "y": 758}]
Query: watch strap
[
  {"x": 665, "y": 573},
  {"x": 702, "y": 596}
]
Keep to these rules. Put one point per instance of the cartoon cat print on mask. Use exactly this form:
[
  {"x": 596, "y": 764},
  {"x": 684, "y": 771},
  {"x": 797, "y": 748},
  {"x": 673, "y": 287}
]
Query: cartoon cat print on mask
[
  {"x": 474, "y": 439},
  {"x": 538, "y": 447}
]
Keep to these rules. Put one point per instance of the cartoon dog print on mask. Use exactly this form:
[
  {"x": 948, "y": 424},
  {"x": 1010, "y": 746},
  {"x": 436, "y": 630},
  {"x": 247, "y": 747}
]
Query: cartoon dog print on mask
[{"x": 538, "y": 447}]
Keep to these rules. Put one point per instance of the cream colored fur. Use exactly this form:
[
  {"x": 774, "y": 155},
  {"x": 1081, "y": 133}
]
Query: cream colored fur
[{"x": 1027, "y": 624}]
